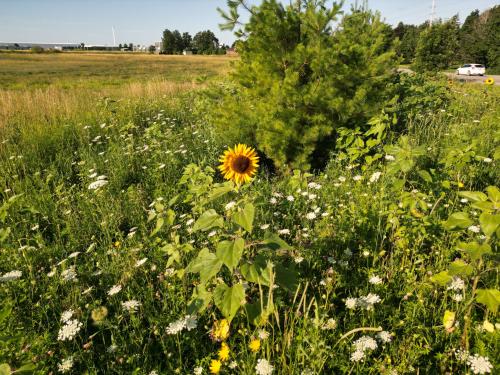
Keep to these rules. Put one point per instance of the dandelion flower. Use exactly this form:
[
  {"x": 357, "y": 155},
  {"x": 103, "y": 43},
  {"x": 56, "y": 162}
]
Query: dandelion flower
[
  {"x": 215, "y": 366},
  {"x": 99, "y": 314},
  {"x": 239, "y": 164},
  {"x": 220, "y": 330},
  {"x": 254, "y": 345},
  {"x": 223, "y": 352},
  {"x": 263, "y": 367}
]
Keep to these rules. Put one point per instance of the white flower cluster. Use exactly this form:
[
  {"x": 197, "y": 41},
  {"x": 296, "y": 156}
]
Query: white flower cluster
[
  {"x": 479, "y": 364},
  {"x": 375, "y": 176},
  {"x": 65, "y": 365},
  {"x": 67, "y": 315},
  {"x": 114, "y": 290},
  {"x": 131, "y": 305},
  {"x": 367, "y": 343},
  {"x": 375, "y": 280},
  {"x": 364, "y": 302},
  {"x": 69, "y": 274},
  {"x": 189, "y": 322},
  {"x": 9, "y": 276},
  {"x": 69, "y": 330},
  {"x": 100, "y": 182},
  {"x": 263, "y": 367},
  {"x": 314, "y": 185},
  {"x": 456, "y": 284}
]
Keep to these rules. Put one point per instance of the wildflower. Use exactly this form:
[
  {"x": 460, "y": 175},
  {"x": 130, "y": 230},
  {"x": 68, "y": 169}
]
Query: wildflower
[
  {"x": 69, "y": 330},
  {"x": 264, "y": 226},
  {"x": 351, "y": 303},
  {"x": 220, "y": 330},
  {"x": 366, "y": 253},
  {"x": 254, "y": 345},
  {"x": 215, "y": 366},
  {"x": 311, "y": 216},
  {"x": 456, "y": 284},
  {"x": 230, "y": 205},
  {"x": 141, "y": 262},
  {"x": 384, "y": 336},
  {"x": 212, "y": 233},
  {"x": 112, "y": 348},
  {"x": 464, "y": 200},
  {"x": 198, "y": 370},
  {"x": 357, "y": 178},
  {"x": 299, "y": 259},
  {"x": 487, "y": 160},
  {"x": 65, "y": 365},
  {"x": 479, "y": 364},
  {"x": 461, "y": 355},
  {"x": 97, "y": 184},
  {"x": 312, "y": 196},
  {"x": 239, "y": 164},
  {"x": 284, "y": 231},
  {"x": 176, "y": 326},
  {"x": 263, "y": 334},
  {"x": 99, "y": 314},
  {"x": 390, "y": 158},
  {"x": 69, "y": 274},
  {"x": 365, "y": 343},
  {"x": 367, "y": 302},
  {"x": 233, "y": 365},
  {"x": 114, "y": 290},
  {"x": 357, "y": 356},
  {"x": 342, "y": 179},
  {"x": 273, "y": 200},
  {"x": 191, "y": 322},
  {"x": 223, "y": 352},
  {"x": 330, "y": 324},
  {"x": 457, "y": 297},
  {"x": 9, "y": 276},
  {"x": 375, "y": 176},
  {"x": 73, "y": 255},
  {"x": 314, "y": 185},
  {"x": 489, "y": 81},
  {"x": 474, "y": 228},
  {"x": 67, "y": 315},
  {"x": 263, "y": 367},
  {"x": 131, "y": 305},
  {"x": 189, "y": 222},
  {"x": 375, "y": 280}
]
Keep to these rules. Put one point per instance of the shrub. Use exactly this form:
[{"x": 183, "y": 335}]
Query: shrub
[{"x": 299, "y": 80}]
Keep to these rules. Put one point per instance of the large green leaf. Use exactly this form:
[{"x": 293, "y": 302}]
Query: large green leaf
[
  {"x": 489, "y": 223},
  {"x": 489, "y": 297},
  {"x": 474, "y": 250},
  {"x": 230, "y": 252},
  {"x": 229, "y": 299},
  {"x": 442, "y": 278},
  {"x": 244, "y": 218},
  {"x": 473, "y": 196},
  {"x": 199, "y": 300},
  {"x": 460, "y": 268},
  {"x": 494, "y": 195},
  {"x": 4, "y": 369},
  {"x": 274, "y": 242},
  {"x": 208, "y": 220},
  {"x": 458, "y": 220},
  {"x": 260, "y": 271},
  {"x": 206, "y": 264},
  {"x": 27, "y": 368}
]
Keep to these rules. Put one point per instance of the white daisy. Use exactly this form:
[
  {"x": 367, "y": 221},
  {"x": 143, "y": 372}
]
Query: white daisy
[
  {"x": 263, "y": 367},
  {"x": 131, "y": 305}
]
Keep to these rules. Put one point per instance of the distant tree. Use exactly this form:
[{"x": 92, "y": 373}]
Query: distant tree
[
  {"x": 206, "y": 43},
  {"x": 130, "y": 46},
  {"x": 472, "y": 37},
  {"x": 82, "y": 45},
  {"x": 186, "y": 41},
  {"x": 151, "y": 49},
  {"x": 168, "y": 42},
  {"x": 120, "y": 46},
  {"x": 492, "y": 31},
  {"x": 437, "y": 46},
  {"x": 408, "y": 36},
  {"x": 178, "y": 43}
]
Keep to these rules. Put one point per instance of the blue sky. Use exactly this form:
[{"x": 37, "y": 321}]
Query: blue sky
[{"x": 142, "y": 21}]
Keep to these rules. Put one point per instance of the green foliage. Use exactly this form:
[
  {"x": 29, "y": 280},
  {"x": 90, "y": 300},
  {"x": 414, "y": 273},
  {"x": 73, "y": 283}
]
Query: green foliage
[
  {"x": 437, "y": 46},
  {"x": 299, "y": 80},
  {"x": 205, "y": 43}
]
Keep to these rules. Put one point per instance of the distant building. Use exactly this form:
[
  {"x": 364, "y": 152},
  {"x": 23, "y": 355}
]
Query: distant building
[{"x": 158, "y": 47}]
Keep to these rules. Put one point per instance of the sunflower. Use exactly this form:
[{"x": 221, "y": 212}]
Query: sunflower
[
  {"x": 239, "y": 164},
  {"x": 489, "y": 81}
]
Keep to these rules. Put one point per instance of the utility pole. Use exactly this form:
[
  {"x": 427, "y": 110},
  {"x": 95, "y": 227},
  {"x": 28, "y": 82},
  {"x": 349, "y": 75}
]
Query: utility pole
[{"x": 433, "y": 13}]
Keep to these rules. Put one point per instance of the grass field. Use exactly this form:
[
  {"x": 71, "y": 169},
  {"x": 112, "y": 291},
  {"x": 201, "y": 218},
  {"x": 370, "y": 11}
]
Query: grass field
[{"x": 122, "y": 249}]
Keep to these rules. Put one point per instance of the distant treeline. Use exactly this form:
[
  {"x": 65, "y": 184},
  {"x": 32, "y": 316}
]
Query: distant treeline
[
  {"x": 445, "y": 44},
  {"x": 203, "y": 43}
]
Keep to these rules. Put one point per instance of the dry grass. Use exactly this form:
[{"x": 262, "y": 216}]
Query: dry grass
[{"x": 45, "y": 88}]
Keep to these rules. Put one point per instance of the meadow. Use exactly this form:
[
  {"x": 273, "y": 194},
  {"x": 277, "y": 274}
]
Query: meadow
[{"x": 123, "y": 250}]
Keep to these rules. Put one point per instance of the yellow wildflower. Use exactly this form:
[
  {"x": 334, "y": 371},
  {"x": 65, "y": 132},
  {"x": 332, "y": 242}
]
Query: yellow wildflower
[
  {"x": 254, "y": 345},
  {"x": 215, "y": 366},
  {"x": 224, "y": 352}
]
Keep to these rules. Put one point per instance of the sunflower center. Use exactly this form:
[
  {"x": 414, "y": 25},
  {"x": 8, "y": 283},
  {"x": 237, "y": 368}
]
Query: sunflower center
[{"x": 240, "y": 164}]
